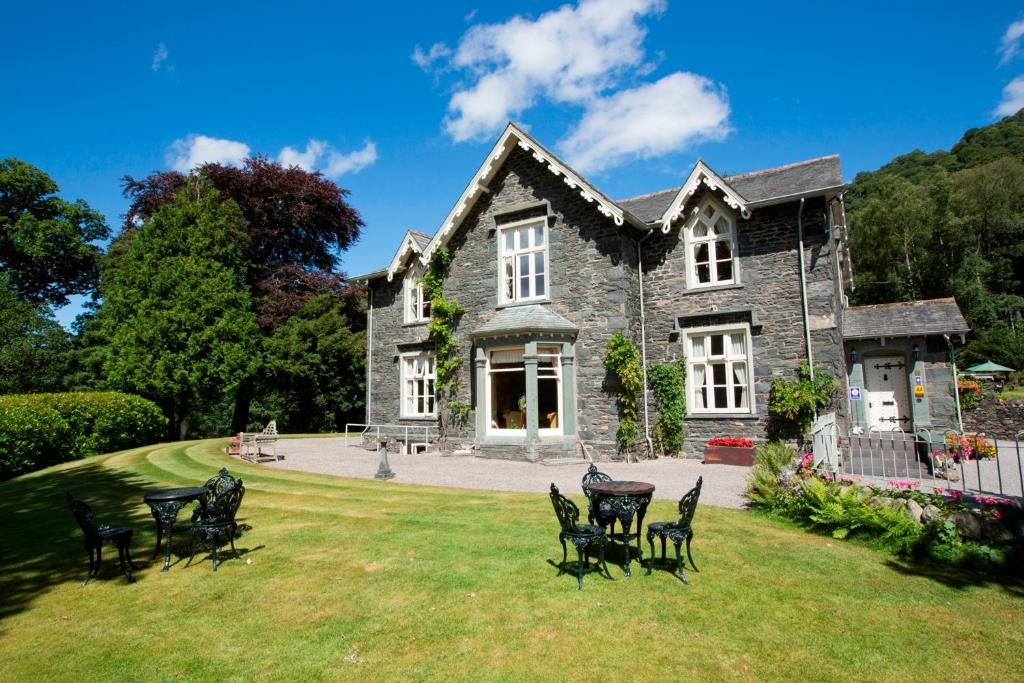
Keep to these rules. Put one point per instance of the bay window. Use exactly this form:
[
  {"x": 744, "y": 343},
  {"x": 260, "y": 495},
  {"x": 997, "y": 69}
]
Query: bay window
[{"x": 720, "y": 370}]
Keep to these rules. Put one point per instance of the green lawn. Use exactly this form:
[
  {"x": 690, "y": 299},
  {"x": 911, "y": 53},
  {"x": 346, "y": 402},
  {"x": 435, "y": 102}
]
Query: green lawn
[
  {"x": 362, "y": 580},
  {"x": 1016, "y": 394}
]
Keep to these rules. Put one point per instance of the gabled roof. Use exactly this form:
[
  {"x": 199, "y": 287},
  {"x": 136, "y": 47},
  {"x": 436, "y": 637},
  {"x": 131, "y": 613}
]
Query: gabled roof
[
  {"x": 532, "y": 319},
  {"x": 759, "y": 188},
  {"x": 702, "y": 175},
  {"x": 510, "y": 138},
  {"x": 904, "y": 319},
  {"x": 413, "y": 243}
]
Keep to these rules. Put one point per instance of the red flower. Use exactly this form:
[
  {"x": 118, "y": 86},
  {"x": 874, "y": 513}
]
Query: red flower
[{"x": 733, "y": 441}]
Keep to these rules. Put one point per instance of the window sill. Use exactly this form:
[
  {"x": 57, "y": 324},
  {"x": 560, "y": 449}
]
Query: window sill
[
  {"x": 722, "y": 416},
  {"x": 711, "y": 288},
  {"x": 528, "y": 302},
  {"x": 419, "y": 323}
]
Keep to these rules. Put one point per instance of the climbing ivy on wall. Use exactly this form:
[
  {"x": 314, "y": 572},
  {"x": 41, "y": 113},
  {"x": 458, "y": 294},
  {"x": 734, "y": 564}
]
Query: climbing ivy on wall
[
  {"x": 667, "y": 382},
  {"x": 623, "y": 361},
  {"x": 792, "y": 404},
  {"x": 444, "y": 315}
]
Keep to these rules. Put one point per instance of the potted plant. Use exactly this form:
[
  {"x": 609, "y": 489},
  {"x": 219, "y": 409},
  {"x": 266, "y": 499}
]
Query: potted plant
[
  {"x": 235, "y": 444},
  {"x": 729, "y": 450}
]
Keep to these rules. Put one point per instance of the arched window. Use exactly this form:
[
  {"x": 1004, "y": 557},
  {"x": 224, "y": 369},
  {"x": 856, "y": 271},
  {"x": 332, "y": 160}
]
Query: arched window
[{"x": 710, "y": 235}]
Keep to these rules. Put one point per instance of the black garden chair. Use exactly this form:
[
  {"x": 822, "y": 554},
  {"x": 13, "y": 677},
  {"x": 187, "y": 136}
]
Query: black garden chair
[
  {"x": 598, "y": 512},
  {"x": 677, "y": 531},
  {"x": 580, "y": 535},
  {"x": 97, "y": 535},
  {"x": 214, "y": 519}
]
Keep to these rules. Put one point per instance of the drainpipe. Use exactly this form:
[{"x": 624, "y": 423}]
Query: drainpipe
[
  {"x": 956, "y": 383},
  {"x": 643, "y": 339},
  {"x": 369, "y": 351},
  {"x": 803, "y": 286}
]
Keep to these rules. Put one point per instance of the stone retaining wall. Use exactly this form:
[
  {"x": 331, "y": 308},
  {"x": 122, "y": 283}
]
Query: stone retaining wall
[{"x": 993, "y": 416}]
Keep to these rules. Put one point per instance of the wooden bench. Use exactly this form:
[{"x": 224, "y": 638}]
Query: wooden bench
[{"x": 252, "y": 444}]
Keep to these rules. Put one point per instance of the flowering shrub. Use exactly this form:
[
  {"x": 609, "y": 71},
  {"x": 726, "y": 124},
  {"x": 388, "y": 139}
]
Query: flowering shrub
[
  {"x": 903, "y": 484},
  {"x": 732, "y": 441},
  {"x": 966, "y": 447},
  {"x": 970, "y": 393}
]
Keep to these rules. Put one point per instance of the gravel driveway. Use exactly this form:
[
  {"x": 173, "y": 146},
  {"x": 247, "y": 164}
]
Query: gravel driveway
[{"x": 672, "y": 477}]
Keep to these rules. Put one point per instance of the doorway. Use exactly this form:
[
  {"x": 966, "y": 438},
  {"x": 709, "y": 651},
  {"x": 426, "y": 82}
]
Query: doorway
[{"x": 888, "y": 396}]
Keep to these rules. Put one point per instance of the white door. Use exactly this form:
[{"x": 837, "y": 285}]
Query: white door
[{"x": 888, "y": 399}]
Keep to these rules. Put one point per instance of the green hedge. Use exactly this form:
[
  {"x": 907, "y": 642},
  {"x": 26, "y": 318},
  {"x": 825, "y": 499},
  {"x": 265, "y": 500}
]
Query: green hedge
[{"x": 39, "y": 430}]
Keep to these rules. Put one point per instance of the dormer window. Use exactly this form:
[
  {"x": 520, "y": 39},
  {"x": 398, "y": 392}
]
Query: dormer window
[
  {"x": 710, "y": 234},
  {"x": 523, "y": 261},
  {"x": 417, "y": 306}
]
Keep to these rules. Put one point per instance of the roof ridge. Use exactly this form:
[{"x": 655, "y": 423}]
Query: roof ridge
[
  {"x": 784, "y": 167},
  {"x": 941, "y": 300},
  {"x": 650, "y": 194},
  {"x": 419, "y": 232}
]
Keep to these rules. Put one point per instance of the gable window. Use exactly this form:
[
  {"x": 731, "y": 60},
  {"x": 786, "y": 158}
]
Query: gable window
[
  {"x": 522, "y": 258},
  {"x": 418, "y": 385},
  {"x": 417, "y": 306},
  {"x": 711, "y": 246},
  {"x": 720, "y": 370}
]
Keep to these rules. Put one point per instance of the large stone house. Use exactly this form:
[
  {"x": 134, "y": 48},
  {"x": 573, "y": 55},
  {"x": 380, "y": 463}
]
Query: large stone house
[{"x": 745, "y": 276}]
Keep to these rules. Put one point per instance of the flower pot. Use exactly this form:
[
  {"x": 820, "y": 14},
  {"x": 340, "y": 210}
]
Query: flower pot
[{"x": 729, "y": 455}]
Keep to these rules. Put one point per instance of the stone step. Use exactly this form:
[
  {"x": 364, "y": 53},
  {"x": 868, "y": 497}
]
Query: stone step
[{"x": 563, "y": 461}]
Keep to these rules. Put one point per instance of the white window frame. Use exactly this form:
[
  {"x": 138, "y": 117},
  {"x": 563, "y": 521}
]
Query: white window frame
[
  {"x": 408, "y": 382},
  {"x": 517, "y": 251},
  {"x": 413, "y": 292},
  {"x": 557, "y": 374},
  {"x": 488, "y": 394},
  {"x": 728, "y": 359},
  {"x": 692, "y": 282}
]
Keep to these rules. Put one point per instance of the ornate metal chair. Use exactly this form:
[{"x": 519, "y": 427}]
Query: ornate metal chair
[
  {"x": 677, "y": 531},
  {"x": 215, "y": 519},
  {"x": 597, "y": 511},
  {"x": 580, "y": 535},
  {"x": 96, "y": 536}
]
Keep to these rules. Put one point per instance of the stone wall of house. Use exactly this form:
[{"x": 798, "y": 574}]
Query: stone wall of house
[
  {"x": 1003, "y": 419},
  {"x": 770, "y": 284},
  {"x": 592, "y": 283}
]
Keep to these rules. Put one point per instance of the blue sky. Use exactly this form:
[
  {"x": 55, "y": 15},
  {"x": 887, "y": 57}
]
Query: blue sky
[{"x": 400, "y": 101}]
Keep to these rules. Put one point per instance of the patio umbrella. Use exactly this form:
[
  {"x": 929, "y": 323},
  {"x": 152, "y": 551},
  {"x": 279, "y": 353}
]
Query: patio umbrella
[{"x": 988, "y": 366}]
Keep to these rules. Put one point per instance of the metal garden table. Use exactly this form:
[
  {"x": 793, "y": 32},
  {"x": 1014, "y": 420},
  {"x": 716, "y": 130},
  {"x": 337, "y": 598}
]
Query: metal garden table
[
  {"x": 165, "y": 505},
  {"x": 626, "y": 499}
]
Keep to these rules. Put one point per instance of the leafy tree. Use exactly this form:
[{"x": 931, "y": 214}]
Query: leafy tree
[
  {"x": 176, "y": 308},
  {"x": 297, "y": 222},
  {"x": 46, "y": 245},
  {"x": 315, "y": 368},
  {"x": 33, "y": 345}
]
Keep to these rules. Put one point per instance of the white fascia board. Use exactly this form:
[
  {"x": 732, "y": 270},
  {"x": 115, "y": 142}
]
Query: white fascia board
[{"x": 702, "y": 175}]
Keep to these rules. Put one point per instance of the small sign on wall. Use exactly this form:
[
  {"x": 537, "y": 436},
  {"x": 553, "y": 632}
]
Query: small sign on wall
[
  {"x": 854, "y": 393},
  {"x": 918, "y": 381},
  {"x": 918, "y": 390}
]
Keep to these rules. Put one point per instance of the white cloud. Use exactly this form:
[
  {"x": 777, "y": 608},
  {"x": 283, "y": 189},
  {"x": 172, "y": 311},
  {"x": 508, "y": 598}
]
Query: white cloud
[
  {"x": 648, "y": 121},
  {"x": 591, "y": 56},
  {"x": 195, "y": 150},
  {"x": 1010, "y": 43},
  {"x": 568, "y": 55},
  {"x": 306, "y": 160},
  {"x": 1013, "y": 98},
  {"x": 160, "y": 58},
  {"x": 319, "y": 156},
  {"x": 353, "y": 162},
  {"x": 425, "y": 60}
]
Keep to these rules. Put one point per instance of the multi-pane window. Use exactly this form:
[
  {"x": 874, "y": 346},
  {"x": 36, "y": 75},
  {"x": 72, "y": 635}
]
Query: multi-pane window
[
  {"x": 417, "y": 306},
  {"x": 523, "y": 262},
  {"x": 720, "y": 370},
  {"x": 418, "y": 385},
  {"x": 711, "y": 247},
  {"x": 506, "y": 391}
]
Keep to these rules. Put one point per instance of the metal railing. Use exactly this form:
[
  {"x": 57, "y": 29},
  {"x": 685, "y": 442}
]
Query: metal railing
[
  {"x": 392, "y": 430},
  {"x": 973, "y": 462}
]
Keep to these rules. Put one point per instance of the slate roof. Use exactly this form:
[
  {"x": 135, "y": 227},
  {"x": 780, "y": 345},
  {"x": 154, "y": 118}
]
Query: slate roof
[
  {"x": 422, "y": 239},
  {"x": 755, "y": 187},
  {"x": 905, "y": 319},
  {"x": 530, "y": 319}
]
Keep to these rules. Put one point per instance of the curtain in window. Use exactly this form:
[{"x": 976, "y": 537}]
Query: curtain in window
[
  {"x": 699, "y": 383},
  {"x": 739, "y": 371}
]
